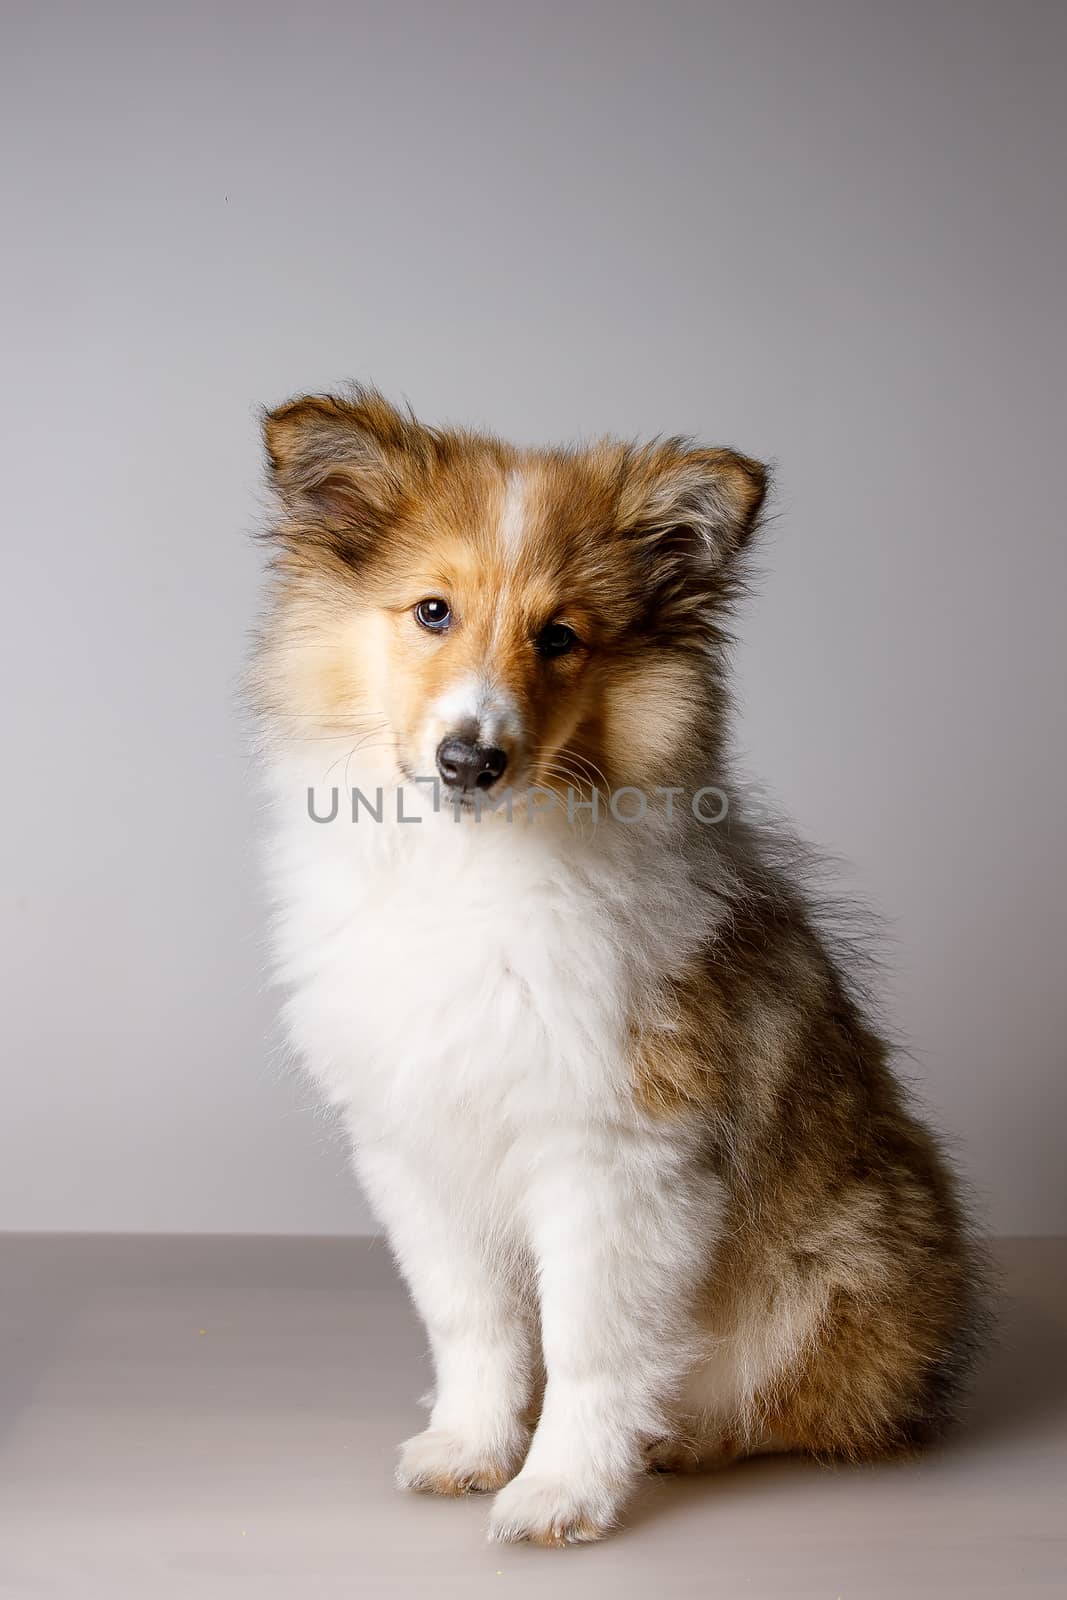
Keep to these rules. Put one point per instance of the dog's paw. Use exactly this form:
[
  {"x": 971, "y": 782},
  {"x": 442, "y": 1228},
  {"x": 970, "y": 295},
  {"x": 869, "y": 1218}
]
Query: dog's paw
[
  {"x": 440, "y": 1462},
  {"x": 550, "y": 1511}
]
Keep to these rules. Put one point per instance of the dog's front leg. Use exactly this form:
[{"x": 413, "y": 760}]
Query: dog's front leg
[
  {"x": 480, "y": 1326},
  {"x": 622, "y": 1234}
]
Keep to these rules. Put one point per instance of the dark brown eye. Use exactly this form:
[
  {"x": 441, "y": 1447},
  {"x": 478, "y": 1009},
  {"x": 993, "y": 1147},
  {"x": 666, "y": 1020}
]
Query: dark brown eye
[
  {"x": 433, "y": 614},
  {"x": 556, "y": 640}
]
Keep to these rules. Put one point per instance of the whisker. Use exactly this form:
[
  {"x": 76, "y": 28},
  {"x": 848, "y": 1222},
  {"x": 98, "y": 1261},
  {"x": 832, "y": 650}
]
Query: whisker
[
  {"x": 359, "y": 746},
  {"x": 573, "y": 756},
  {"x": 347, "y": 758}
]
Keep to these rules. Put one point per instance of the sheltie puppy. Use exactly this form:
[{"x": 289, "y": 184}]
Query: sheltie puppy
[{"x": 638, "y": 1149}]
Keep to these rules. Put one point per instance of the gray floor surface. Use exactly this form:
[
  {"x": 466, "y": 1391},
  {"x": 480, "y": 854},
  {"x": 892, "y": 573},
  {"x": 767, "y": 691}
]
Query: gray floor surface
[{"x": 218, "y": 1417}]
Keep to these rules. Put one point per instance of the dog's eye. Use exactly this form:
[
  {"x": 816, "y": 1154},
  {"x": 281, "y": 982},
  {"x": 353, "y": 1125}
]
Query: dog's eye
[
  {"x": 433, "y": 614},
  {"x": 556, "y": 639}
]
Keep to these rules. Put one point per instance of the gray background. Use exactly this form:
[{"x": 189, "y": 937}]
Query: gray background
[{"x": 829, "y": 233}]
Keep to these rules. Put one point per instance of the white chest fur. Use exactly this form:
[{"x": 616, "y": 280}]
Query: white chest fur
[
  {"x": 463, "y": 992},
  {"x": 488, "y": 967}
]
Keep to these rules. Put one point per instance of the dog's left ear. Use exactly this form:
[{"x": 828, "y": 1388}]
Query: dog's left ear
[{"x": 701, "y": 504}]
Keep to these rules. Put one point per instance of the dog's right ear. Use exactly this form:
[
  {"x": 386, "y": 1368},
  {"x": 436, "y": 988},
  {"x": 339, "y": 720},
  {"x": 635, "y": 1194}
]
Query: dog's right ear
[{"x": 343, "y": 464}]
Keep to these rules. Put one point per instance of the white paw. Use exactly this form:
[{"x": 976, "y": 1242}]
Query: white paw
[
  {"x": 440, "y": 1462},
  {"x": 551, "y": 1511}
]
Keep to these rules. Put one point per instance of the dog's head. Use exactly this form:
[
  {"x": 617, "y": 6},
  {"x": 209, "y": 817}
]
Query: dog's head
[{"x": 500, "y": 617}]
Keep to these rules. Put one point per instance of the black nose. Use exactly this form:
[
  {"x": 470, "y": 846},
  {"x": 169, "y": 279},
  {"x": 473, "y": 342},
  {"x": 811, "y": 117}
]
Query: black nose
[{"x": 469, "y": 766}]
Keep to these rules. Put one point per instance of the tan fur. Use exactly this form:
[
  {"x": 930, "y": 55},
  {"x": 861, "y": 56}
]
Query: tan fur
[
  {"x": 486, "y": 1480},
  {"x": 845, "y": 1284}
]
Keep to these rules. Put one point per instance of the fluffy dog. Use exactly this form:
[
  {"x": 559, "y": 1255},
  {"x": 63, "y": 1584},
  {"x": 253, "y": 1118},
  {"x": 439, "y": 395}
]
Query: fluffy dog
[{"x": 636, "y": 1144}]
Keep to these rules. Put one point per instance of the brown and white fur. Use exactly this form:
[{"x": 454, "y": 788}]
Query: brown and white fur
[{"x": 638, "y": 1151}]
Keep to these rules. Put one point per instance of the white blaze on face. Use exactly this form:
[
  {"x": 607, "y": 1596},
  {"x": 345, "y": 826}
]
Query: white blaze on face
[
  {"x": 501, "y": 723},
  {"x": 476, "y": 704},
  {"x": 512, "y": 529},
  {"x": 511, "y": 532}
]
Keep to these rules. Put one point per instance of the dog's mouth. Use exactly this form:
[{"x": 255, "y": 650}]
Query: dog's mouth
[{"x": 478, "y": 801}]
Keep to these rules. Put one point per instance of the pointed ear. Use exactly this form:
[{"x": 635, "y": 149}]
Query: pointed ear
[
  {"x": 698, "y": 504},
  {"x": 343, "y": 464}
]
